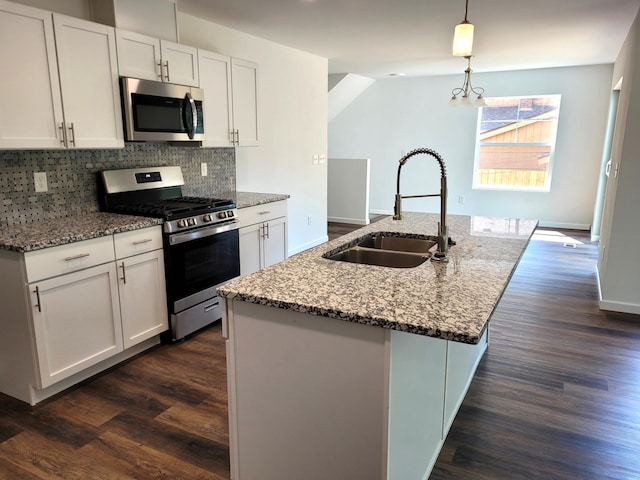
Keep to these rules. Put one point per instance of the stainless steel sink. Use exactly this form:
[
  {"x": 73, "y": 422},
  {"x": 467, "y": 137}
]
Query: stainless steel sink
[
  {"x": 382, "y": 258},
  {"x": 385, "y": 250},
  {"x": 400, "y": 244}
]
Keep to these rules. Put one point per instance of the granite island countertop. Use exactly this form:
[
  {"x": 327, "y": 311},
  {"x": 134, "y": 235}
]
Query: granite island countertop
[
  {"x": 251, "y": 199},
  {"x": 453, "y": 300},
  {"x": 34, "y": 236}
]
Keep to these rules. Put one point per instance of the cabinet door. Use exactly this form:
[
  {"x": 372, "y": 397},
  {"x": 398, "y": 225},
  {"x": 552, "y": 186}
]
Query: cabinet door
[
  {"x": 275, "y": 243},
  {"x": 30, "y": 103},
  {"x": 244, "y": 78},
  {"x": 180, "y": 63},
  {"x": 76, "y": 321},
  {"x": 215, "y": 80},
  {"x": 250, "y": 246},
  {"x": 143, "y": 300},
  {"x": 138, "y": 55},
  {"x": 89, "y": 79}
]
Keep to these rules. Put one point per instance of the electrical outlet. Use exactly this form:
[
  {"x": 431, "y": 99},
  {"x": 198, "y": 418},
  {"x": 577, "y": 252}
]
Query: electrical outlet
[
  {"x": 315, "y": 160},
  {"x": 203, "y": 169},
  {"x": 322, "y": 159},
  {"x": 461, "y": 199},
  {"x": 40, "y": 180},
  {"x": 309, "y": 220}
]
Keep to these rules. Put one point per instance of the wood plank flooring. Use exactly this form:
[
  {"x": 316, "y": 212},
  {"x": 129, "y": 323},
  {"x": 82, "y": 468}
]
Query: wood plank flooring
[{"x": 557, "y": 396}]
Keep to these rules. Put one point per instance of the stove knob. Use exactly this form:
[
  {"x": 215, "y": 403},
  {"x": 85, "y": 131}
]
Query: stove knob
[
  {"x": 222, "y": 214},
  {"x": 191, "y": 222},
  {"x": 207, "y": 218},
  {"x": 182, "y": 223},
  {"x": 230, "y": 213}
]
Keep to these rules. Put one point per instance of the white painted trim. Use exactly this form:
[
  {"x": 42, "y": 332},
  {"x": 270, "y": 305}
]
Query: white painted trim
[
  {"x": 308, "y": 245},
  {"x": 569, "y": 226},
  {"x": 354, "y": 221},
  {"x": 611, "y": 306},
  {"x": 621, "y": 307}
]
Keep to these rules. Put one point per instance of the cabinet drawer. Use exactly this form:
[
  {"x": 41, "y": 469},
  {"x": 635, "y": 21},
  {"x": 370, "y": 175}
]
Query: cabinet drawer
[
  {"x": 50, "y": 262},
  {"x": 138, "y": 241},
  {"x": 262, "y": 213}
]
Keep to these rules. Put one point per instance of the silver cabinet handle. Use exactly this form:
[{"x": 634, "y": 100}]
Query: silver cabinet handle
[
  {"x": 63, "y": 134},
  {"x": 145, "y": 240},
  {"x": 237, "y": 137},
  {"x": 160, "y": 74},
  {"x": 124, "y": 274},
  {"x": 38, "y": 304},
  {"x": 75, "y": 257},
  {"x": 73, "y": 135},
  {"x": 266, "y": 226},
  {"x": 166, "y": 68},
  {"x": 264, "y": 212}
]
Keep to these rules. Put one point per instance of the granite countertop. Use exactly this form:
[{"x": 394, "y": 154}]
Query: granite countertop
[
  {"x": 451, "y": 300},
  {"x": 34, "y": 236},
  {"x": 251, "y": 199}
]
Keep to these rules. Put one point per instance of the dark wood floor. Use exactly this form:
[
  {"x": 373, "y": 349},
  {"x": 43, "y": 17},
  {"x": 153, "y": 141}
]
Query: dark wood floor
[{"x": 557, "y": 396}]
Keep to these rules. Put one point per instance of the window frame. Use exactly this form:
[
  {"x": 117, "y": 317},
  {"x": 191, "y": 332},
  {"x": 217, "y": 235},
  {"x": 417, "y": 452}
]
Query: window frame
[{"x": 551, "y": 143}]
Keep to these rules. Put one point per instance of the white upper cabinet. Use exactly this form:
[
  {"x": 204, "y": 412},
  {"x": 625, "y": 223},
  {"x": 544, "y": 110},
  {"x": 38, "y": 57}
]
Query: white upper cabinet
[
  {"x": 88, "y": 67},
  {"x": 30, "y": 79},
  {"x": 215, "y": 80},
  {"x": 244, "y": 78},
  {"x": 231, "y": 100},
  {"x": 60, "y": 82},
  {"x": 149, "y": 58}
]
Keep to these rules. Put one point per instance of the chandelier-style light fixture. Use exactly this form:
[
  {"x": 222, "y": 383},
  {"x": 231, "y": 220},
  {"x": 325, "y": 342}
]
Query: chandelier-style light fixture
[
  {"x": 464, "y": 93},
  {"x": 463, "y": 47}
]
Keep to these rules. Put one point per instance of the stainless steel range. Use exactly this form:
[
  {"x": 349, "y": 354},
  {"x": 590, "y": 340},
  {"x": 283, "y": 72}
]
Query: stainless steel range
[{"x": 201, "y": 240}]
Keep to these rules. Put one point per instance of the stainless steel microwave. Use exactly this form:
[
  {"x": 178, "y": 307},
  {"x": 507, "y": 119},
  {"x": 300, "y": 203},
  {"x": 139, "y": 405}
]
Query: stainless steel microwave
[{"x": 161, "y": 112}]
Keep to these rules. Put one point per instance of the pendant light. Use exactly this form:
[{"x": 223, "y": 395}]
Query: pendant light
[
  {"x": 463, "y": 47},
  {"x": 463, "y": 36}
]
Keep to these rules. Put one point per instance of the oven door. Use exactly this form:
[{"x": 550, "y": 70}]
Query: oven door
[{"x": 198, "y": 261}]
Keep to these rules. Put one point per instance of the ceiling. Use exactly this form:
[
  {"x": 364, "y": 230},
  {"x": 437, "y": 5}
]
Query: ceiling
[{"x": 378, "y": 38}]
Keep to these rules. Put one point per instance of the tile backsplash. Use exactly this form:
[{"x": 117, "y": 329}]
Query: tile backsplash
[{"x": 72, "y": 177}]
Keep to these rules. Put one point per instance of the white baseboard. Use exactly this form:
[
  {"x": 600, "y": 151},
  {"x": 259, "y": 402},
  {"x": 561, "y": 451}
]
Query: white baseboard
[
  {"x": 308, "y": 245},
  {"x": 567, "y": 226},
  {"x": 608, "y": 305},
  {"x": 620, "y": 307},
  {"x": 354, "y": 221}
]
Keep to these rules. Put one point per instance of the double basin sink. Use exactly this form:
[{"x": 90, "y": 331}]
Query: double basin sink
[{"x": 386, "y": 250}]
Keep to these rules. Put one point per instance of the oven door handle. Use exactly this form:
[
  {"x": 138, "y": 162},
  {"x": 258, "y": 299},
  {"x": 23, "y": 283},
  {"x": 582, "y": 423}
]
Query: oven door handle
[{"x": 176, "y": 238}]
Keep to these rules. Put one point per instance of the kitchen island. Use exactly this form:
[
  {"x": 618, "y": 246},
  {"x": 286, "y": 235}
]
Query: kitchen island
[{"x": 348, "y": 371}]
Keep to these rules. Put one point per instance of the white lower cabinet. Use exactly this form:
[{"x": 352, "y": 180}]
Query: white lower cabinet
[
  {"x": 263, "y": 236},
  {"x": 143, "y": 300},
  {"x": 73, "y": 310},
  {"x": 76, "y": 322}
]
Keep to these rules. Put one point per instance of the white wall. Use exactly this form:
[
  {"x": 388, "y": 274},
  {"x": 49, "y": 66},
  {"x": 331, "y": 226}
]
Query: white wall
[
  {"x": 292, "y": 103},
  {"x": 396, "y": 115}
]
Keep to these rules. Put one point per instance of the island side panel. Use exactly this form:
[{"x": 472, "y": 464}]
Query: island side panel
[
  {"x": 308, "y": 394},
  {"x": 416, "y": 404},
  {"x": 462, "y": 362}
]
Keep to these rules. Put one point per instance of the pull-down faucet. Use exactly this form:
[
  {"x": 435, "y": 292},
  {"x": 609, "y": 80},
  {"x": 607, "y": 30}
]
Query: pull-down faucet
[{"x": 443, "y": 230}]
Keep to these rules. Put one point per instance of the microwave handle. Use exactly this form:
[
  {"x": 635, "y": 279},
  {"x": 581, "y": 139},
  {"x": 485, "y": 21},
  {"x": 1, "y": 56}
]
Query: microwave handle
[{"x": 190, "y": 120}]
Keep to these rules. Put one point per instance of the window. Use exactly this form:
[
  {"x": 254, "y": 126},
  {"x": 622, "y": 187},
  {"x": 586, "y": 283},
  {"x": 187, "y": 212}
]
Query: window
[{"x": 515, "y": 142}]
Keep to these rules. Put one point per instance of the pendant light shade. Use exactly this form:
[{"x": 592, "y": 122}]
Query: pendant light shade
[{"x": 463, "y": 39}]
